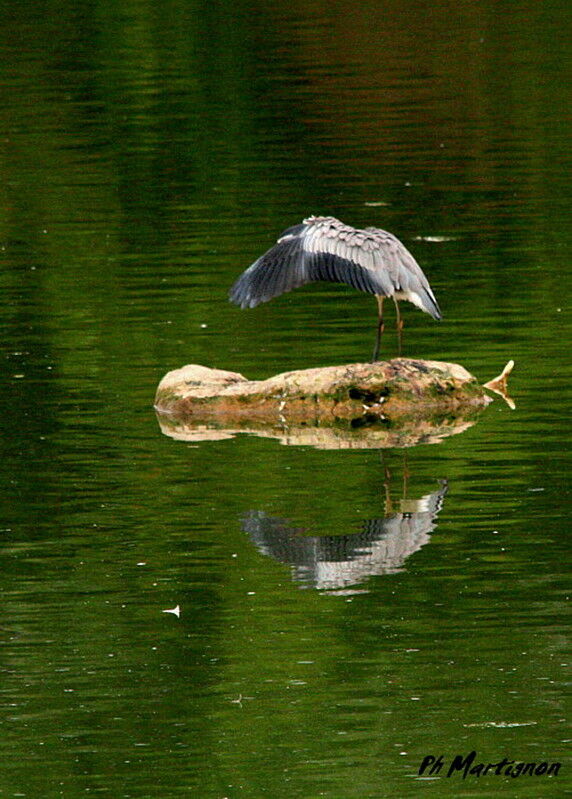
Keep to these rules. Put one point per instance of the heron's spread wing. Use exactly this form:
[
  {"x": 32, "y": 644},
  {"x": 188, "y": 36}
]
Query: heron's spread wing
[
  {"x": 323, "y": 248},
  {"x": 305, "y": 254}
]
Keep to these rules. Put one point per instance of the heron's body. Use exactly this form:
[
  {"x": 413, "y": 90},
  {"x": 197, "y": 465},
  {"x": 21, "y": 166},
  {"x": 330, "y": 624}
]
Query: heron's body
[{"x": 323, "y": 248}]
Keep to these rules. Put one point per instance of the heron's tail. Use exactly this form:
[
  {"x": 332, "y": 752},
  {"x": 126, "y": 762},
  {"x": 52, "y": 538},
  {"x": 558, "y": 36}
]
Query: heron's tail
[{"x": 431, "y": 306}]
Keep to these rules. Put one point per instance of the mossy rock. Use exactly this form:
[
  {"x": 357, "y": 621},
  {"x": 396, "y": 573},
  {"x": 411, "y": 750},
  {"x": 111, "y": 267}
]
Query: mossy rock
[{"x": 388, "y": 389}]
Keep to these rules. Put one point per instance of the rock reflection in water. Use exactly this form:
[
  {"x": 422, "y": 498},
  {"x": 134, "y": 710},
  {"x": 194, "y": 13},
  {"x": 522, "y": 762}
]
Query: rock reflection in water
[{"x": 335, "y": 563}]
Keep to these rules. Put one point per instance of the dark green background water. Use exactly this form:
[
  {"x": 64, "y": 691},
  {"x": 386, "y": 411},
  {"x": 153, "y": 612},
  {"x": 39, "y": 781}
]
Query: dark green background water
[{"x": 149, "y": 153}]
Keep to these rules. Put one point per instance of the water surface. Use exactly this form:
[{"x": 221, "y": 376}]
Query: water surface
[{"x": 343, "y": 613}]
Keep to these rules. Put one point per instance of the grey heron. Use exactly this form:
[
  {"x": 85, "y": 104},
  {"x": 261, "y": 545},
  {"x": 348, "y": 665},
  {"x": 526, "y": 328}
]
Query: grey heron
[{"x": 323, "y": 248}]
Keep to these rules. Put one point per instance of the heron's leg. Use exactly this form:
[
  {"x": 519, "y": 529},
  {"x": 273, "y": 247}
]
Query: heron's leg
[
  {"x": 380, "y": 326},
  {"x": 399, "y": 326}
]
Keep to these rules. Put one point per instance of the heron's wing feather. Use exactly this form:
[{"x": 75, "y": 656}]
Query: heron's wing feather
[
  {"x": 405, "y": 273},
  {"x": 414, "y": 284},
  {"x": 278, "y": 270},
  {"x": 336, "y": 253},
  {"x": 336, "y": 269}
]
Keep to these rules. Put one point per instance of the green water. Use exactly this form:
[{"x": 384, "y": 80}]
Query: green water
[{"x": 334, "y": 629}]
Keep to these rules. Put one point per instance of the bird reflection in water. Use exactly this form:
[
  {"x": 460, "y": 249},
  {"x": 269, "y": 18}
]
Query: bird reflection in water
[{"x": 336, "y": 563}]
